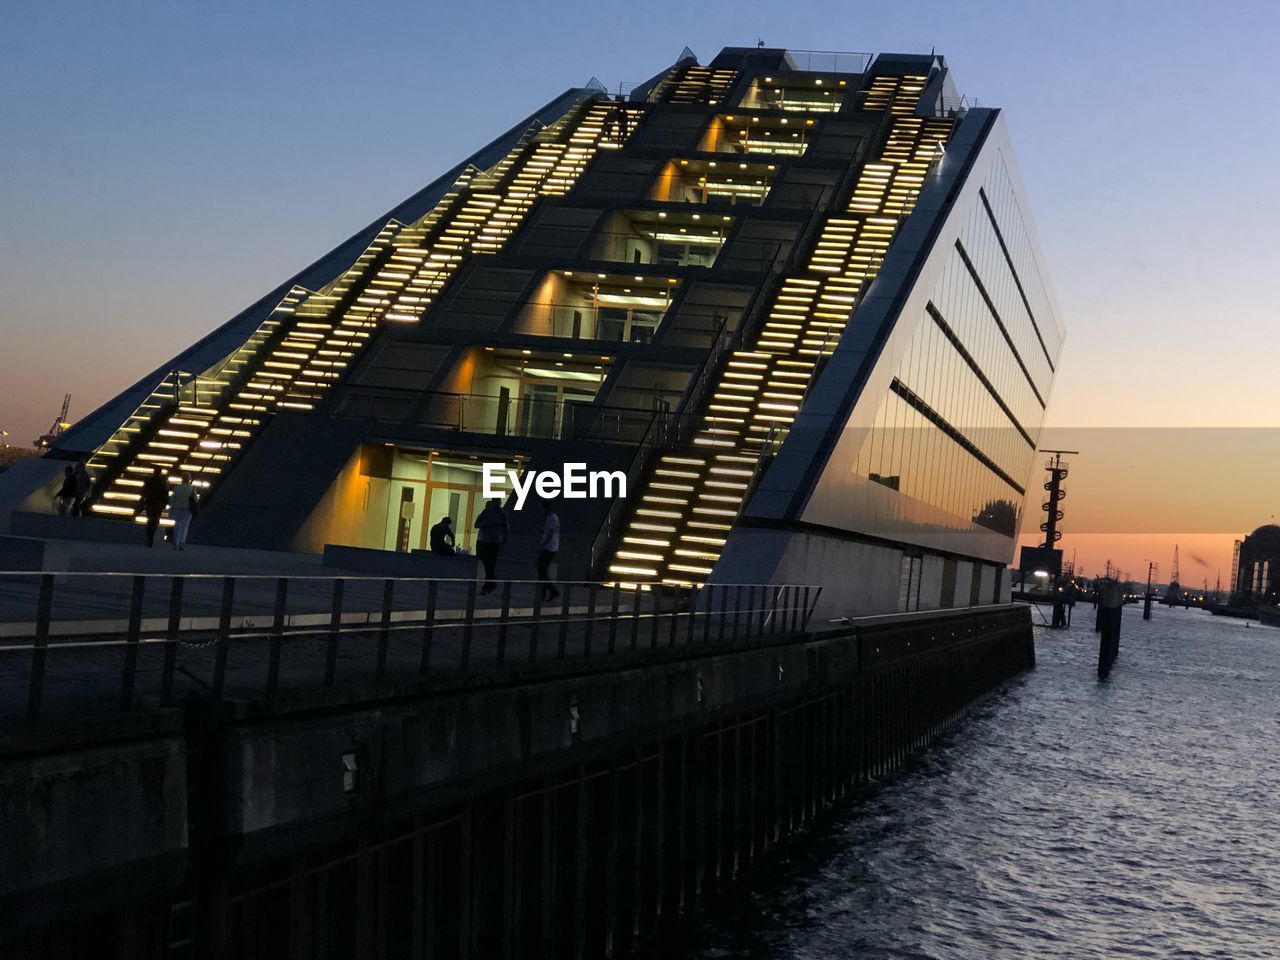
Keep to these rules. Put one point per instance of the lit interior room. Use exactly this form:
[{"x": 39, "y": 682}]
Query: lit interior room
[
  {"x": 746, "y": 133},
  {"x": 799, "y": 94},
  {"x": 669, "y": 239},
  {"x": 616, "y": 307},
  {"x": 389, "y": 495},
  {"x": 712, "y": 181},
  {"x": 528, "y": 393}
]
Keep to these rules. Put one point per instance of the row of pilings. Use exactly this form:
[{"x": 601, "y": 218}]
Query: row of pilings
[{"x": 601, "y": 857}]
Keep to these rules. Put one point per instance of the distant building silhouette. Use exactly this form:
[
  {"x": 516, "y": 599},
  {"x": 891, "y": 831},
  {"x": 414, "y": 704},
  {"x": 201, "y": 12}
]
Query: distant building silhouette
[{"x": 1256, "y": 568}]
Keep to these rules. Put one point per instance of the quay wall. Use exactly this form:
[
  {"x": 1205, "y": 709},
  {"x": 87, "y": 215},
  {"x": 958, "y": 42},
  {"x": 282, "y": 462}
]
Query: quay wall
[{"x": 564, "y": 808}]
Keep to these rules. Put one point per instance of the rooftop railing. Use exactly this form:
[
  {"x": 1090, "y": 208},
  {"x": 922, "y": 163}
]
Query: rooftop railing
[
  {"x": 955, "y": 106},
  {"x": 830, "y": 61}
]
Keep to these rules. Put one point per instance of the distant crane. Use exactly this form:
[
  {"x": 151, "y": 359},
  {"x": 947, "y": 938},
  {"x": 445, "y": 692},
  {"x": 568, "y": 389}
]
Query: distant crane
[
  {"x": 45, "y": 440},
  {"x": 1173, "y": 593}
]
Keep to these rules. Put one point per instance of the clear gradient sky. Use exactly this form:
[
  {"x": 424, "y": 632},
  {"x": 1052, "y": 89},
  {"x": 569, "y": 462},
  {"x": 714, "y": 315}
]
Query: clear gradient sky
[{"x": 163, "y": 164}]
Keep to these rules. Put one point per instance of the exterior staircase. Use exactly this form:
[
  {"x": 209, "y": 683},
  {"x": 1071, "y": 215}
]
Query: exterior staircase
[
  {"x": 694, "y": 494},
  {"x": 696, "y": 84},
  {"x": 198, "y": 422}
]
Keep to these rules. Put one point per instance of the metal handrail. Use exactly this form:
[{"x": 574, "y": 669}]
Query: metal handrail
[
  {"x": 147, "y": 640},
  {"x": 751, "y": 317},
  {"x": 661, "y": 433},
  {"x": 273, "y": 327},
  {"x": 690, "y": 413},
  {"x": 432, "y": 220},
  {"x": 136, "y": 429}
]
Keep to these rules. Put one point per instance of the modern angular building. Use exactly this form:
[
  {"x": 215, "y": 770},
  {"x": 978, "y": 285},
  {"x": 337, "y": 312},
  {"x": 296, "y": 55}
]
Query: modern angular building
[{"x": 798, "y": 300}]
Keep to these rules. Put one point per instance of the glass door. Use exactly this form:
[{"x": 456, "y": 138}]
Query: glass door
[{"x": 538, "y": 410}]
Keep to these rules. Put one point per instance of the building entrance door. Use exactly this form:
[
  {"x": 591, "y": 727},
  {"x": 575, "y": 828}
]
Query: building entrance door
[{"x": 405, "y": 522}]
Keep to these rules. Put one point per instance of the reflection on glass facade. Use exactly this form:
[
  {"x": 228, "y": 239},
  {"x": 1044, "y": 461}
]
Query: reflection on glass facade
[
  {"x": 958, "y": 426},
  {"x": 999, "y": 196}
]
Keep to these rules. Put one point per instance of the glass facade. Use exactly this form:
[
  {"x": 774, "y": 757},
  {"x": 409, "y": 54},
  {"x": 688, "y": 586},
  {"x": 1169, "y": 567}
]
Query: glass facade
[{"x": 957, "y": 428}]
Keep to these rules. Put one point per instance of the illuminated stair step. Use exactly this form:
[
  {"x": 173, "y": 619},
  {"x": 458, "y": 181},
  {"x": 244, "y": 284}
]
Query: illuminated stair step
[
  {"x": 636, "y": 555},
  {"x": 649, "y": 498},
  {"x": 652, "y": 527},
  {"x": 690, "y": 568},
  {"x": 646, "y": 542},
  {"x": 703, "y": 524},
  {"x": 695, "y": 555},
  {"x": 627, "y": 569},
  {"x": 725, "y": 485},
  {"x": 650, "y": 512}
]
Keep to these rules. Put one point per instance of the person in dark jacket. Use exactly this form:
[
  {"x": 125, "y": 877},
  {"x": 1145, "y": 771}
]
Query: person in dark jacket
[
  {"x": 67, "y": 492},
  {"x": 84, "y": 487},
  {"x": 442, "y": 538},
  {"x": 549, "y": 546},
  {"x": 493, "y": 528},
  {"x": 155, "y": 498}
]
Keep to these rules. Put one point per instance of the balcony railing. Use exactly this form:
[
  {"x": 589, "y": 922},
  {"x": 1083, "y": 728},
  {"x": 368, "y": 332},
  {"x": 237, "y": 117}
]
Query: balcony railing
[
  {"x": 666, "y": 246},
  {"x": 752, "y": 140},
  {"x": 504, "y": 416},
  {"x": 709, "y": 192},
  {"x": 603, "y": 325}
]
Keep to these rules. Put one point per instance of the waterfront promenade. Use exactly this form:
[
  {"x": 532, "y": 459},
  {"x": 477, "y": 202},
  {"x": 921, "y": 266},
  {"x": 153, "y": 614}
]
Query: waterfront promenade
[{"x": 228, "y": 726}]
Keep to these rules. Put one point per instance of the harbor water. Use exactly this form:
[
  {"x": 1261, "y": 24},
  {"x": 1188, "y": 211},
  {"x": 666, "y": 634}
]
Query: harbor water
[{"x": 1138, "y": 817}]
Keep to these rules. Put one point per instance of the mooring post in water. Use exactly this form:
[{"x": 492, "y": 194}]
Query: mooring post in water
[{"x": 1110, "y": 605}]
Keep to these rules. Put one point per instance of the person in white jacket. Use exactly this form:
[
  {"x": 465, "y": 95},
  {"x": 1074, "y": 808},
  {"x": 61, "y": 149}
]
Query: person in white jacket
[{"x": 183, "y": 506}]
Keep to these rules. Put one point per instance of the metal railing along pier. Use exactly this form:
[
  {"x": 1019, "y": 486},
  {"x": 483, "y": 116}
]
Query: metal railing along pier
[{"x": 86, "y": 643}]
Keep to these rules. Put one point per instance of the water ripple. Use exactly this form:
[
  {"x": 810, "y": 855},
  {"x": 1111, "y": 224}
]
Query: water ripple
[{"x": 1063, "y": 819}]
